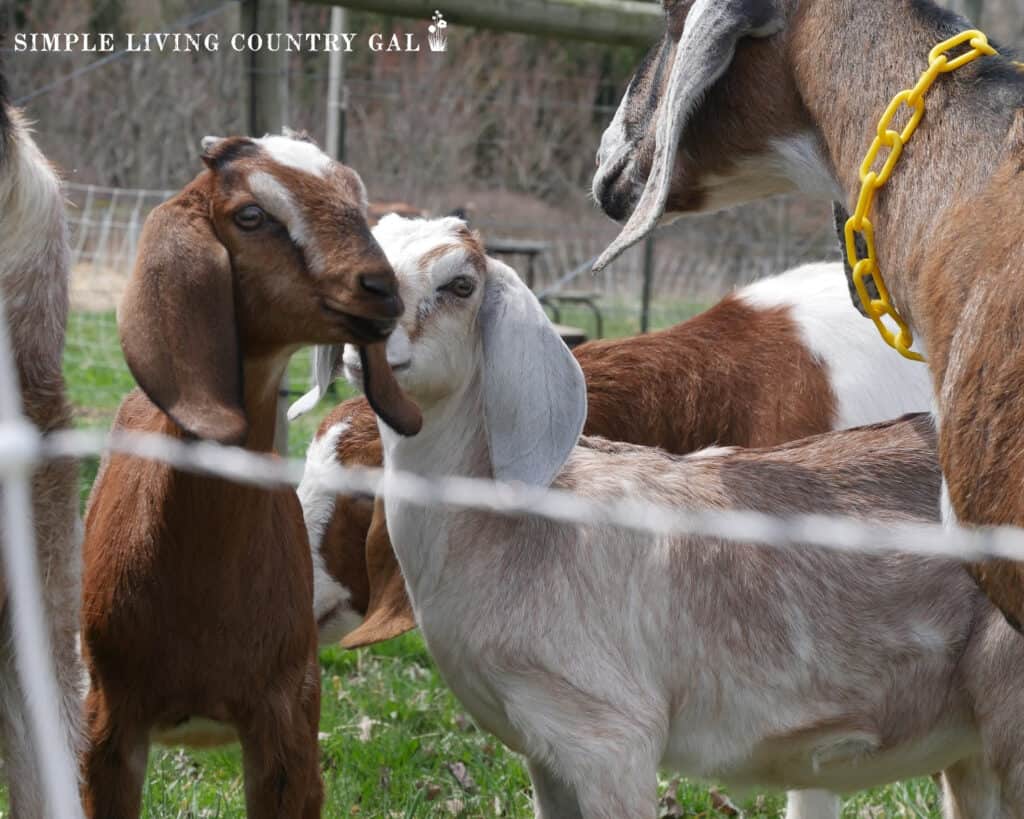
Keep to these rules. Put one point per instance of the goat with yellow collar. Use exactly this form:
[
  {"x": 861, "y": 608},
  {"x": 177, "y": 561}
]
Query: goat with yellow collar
[{"x": 744, "y": 99}]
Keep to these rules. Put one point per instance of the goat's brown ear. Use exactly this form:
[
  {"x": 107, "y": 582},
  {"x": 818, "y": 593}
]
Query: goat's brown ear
[
  {"x": 392, "y": 405},
  {"x": 389, "y": 612},
  {"x": 177, "y": 321}
]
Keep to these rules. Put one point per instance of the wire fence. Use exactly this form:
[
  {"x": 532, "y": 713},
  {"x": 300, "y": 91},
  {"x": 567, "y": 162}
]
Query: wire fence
[
  {"x": 695, "y": 263},
  {"x": 22, "y": 447}
]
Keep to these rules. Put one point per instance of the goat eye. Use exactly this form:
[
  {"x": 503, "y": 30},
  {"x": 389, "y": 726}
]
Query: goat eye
[
  {"x": 461, "y": 286},
  {"x": 250, "y": 217}
]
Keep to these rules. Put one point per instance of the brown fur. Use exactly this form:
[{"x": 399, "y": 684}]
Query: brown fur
[
  {"x": 968, "y": 247},
  {"x": 198, "y": 592},
  {"x": 766, "y": 391},
  {"x": 947, "y": 225}
]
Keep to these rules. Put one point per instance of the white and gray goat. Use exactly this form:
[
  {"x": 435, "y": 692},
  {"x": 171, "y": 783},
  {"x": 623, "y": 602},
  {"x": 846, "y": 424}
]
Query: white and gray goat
[
  {"x": 602, "y": 654},
  {"x": 34, "y": 269}
]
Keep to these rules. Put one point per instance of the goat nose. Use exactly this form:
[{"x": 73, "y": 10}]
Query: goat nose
[{"x": 379, "y": 284}]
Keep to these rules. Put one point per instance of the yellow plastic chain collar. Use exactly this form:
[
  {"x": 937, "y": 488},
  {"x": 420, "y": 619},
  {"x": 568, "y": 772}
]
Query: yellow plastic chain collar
[{"x": 872, "y": 181}]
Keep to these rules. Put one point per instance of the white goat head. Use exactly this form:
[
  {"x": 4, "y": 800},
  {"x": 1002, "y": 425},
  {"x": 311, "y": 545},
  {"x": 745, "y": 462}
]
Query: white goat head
[{"x": 464, "y": 309}]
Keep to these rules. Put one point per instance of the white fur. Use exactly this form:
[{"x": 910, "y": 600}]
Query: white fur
[
  {"x": 331, "y": 600},
  {"x": 794, "y": 163},
  {"x": 33, "y": 244},
  {"x": 802, "y": 159},
  {"x": 870, "y": 381},
  {"x": 321, "y": 463},
  {"x": 296, "y": 153},
  {"x": 949, "y": 518},
  {"x": 280, "y": 203}
]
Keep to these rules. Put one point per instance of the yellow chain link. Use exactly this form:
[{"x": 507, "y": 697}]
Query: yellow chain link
[{"x": 859, "y": 225}]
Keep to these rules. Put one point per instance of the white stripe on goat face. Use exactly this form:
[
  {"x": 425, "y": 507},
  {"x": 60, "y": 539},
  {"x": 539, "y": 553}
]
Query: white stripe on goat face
[
  {"x": 296, "y": 153},
  {"x": 307, "y": 157},
  {"x": 280, "y": 203}
]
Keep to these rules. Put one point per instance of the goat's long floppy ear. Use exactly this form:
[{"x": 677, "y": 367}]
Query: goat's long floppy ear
[
  {"x": 389, "y": 612},
  {"x": 326, "y": 358},
  {"x": 703, "y": 54},
  {"x": 177, "y": 322},
  {"x": 535, "y": 397}
]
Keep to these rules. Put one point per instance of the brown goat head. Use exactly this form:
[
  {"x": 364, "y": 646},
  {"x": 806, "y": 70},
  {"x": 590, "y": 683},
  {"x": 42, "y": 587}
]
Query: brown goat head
[{"x": 265, "y": 251}]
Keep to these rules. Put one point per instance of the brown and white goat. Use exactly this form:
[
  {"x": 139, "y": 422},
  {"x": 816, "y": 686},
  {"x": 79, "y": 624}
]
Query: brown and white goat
[
  {"x": 266, "y": 250},
  {"x": 747, "y": 98},
  {"x": 602, "y": 653},
  {"x": 34, "y": 269}
]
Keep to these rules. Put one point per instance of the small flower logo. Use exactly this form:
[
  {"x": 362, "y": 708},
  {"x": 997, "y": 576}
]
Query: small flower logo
[{"x": 437, "y": 33}]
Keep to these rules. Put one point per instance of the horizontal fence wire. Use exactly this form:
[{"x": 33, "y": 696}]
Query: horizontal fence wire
[{"x": 19, "y": 446}]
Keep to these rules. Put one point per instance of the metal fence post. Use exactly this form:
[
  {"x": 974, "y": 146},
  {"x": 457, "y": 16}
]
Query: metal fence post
[
  {"x": 265, "y": 98},
  {"x": 645, "y": 307},
  {"x": 337, "y": 94}
]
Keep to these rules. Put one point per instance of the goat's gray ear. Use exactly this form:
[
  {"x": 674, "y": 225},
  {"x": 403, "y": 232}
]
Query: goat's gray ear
[
  {"x": 535, "y": 397},
  {"x": 177, "y": 321},
  {"x": 703, "y": 54},
  {"x": 325, "y": 366}
]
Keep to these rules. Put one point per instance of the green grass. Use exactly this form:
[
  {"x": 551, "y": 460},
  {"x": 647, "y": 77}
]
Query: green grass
[{"x": 391, "y": 733}]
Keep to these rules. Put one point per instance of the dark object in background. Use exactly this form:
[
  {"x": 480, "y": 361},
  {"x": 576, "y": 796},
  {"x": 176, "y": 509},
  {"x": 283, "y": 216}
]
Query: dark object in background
[{"x": 841, "y": 217}]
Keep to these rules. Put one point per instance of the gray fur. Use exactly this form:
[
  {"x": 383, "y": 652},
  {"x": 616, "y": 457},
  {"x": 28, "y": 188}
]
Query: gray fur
[
  {"x": 34, "y": 270},
  {"x": 528, "y": 441}
]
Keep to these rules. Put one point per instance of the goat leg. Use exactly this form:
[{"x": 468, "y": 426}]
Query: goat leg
[
  {"x": 281, "y": 756},
  {"x": 114, "y": 763}
]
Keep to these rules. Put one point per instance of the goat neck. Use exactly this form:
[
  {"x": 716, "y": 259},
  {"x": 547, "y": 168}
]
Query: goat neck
[
  {"x": 263, "y": 374},
  {"x": 846, "y": 83},
  {"x": 453, "y": 442}
]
